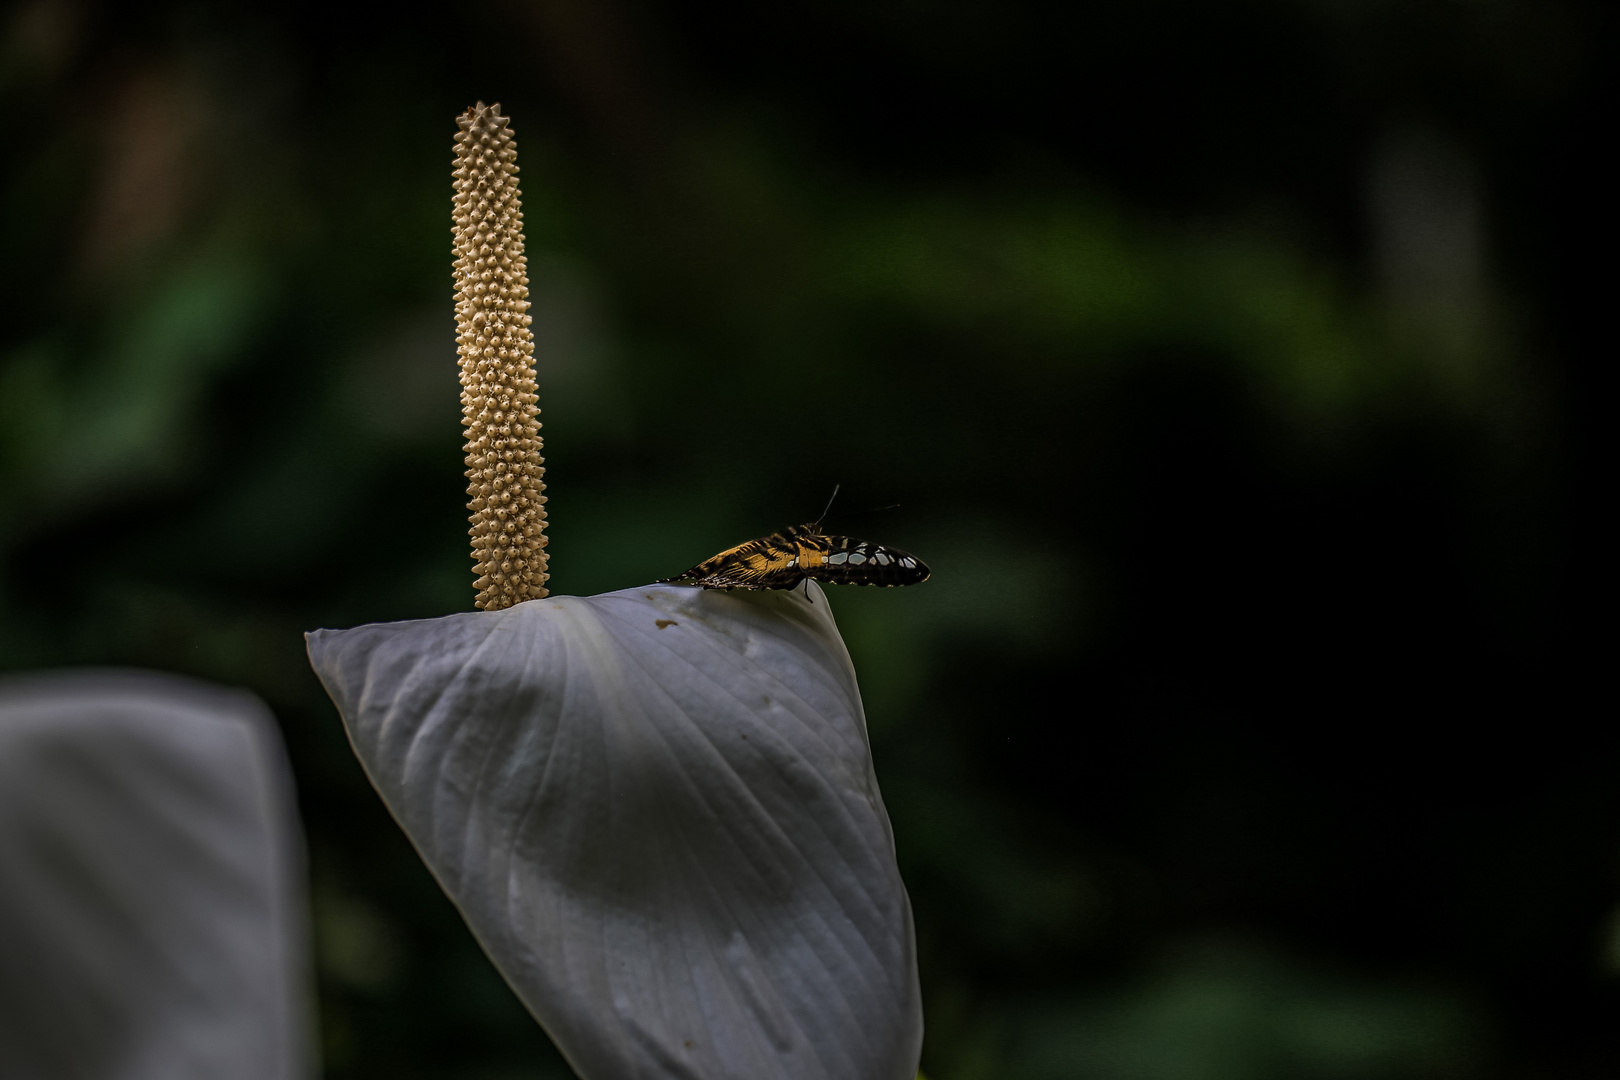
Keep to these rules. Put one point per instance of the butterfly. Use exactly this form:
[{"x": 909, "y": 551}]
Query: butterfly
[{"x": 782, "y": 560}]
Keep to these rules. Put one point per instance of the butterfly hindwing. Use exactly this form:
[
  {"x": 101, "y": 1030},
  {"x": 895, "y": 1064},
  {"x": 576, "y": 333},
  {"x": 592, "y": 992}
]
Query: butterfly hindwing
[{"x": 849, "y": 561}]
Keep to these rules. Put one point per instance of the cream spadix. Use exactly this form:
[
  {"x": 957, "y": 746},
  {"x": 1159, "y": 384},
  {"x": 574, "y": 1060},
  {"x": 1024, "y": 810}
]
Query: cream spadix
[
  {"x": 657, "y": 811},
  {"x": 499, "y": 407}
]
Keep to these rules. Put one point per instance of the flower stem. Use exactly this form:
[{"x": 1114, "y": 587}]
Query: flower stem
[{"x": 499, "y": 407}]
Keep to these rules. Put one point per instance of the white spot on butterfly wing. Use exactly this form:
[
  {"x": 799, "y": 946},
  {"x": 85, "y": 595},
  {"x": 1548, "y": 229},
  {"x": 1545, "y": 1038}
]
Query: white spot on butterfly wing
[
  {"x": 838, "y": 558},
  {"x": 856, "y": 557},
  {"x": 881, "y": 559}
]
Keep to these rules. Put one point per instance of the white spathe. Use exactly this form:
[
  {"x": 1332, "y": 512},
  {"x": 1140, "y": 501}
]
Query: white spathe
[
  {"x": 657, "y": 811},
  {"x": 152, "y": 913}
]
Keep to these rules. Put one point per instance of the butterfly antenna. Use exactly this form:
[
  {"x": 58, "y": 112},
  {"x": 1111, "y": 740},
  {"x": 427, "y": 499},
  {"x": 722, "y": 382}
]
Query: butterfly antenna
[{"x": 829, "y": 503}]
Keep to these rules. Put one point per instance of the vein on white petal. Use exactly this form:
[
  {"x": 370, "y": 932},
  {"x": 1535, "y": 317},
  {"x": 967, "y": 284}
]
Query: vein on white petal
[
  {"x": 571, "y": 684},
  {"x": 544, "y": 784},
  {"x": 778, "y": 871},
  {"x": 755, "y": 675},
  {"x": 824, "y": 793},
  {"x": 716, "y": 895},
  {"x": 471, "y": 822},
  {"x": 739, "y": 785},
  {"x": 514, "y": 839},
  {"x": 812, "y": 724}
]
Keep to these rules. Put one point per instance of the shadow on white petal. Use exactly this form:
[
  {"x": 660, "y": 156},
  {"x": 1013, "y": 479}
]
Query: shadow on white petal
[{"x": 656, "y": 809}]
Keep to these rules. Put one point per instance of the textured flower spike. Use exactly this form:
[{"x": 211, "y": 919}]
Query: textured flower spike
[{"x": 500, "y": 409}]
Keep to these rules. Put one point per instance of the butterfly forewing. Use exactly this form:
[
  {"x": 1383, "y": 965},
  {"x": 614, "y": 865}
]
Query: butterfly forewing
[{"x": 767, "y": 563}]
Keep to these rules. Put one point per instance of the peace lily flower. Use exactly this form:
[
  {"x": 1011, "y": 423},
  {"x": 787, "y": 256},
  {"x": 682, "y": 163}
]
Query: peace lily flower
[
  {"x": 655, "y": 808},
  {"x": 152, "y": 920}
]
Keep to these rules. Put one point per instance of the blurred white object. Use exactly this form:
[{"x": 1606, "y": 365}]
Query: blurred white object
[
  {"x": 153, "y": 919},
  {"x": 1428, "y": 219},
  {"x": 657, "y": 810}
]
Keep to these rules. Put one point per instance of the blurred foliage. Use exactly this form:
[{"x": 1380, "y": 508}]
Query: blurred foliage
[{"x": 1229, "y": 365}]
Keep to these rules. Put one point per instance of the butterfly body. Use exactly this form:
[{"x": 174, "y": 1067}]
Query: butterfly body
[{"x": 783, "y": 560}]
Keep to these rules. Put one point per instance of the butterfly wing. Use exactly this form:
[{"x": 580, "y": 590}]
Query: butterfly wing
[
  {"x": 771, "y": 562},
  {"x": 847, "y": 561}
]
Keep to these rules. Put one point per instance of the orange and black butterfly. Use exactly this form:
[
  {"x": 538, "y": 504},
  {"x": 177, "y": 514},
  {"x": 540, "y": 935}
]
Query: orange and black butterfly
[{"x": 782, "y": 560}]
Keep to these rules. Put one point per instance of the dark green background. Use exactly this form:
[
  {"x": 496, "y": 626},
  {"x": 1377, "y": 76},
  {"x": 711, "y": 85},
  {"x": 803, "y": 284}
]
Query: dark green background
[{"x": 1233, "y": 365}]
